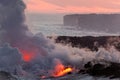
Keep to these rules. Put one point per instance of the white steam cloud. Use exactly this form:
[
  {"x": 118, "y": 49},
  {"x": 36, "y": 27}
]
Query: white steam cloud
[{"x": 10, "y": 60}]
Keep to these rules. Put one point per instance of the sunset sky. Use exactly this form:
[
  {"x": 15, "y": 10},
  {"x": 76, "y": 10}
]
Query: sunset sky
[{"x": 73, "y": 6}]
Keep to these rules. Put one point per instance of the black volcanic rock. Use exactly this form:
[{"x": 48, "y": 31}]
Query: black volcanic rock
[
  {"x": 90, "y": 42},
  {"x": 6, "y": 76},
  {"x": 102, "y": 68}
]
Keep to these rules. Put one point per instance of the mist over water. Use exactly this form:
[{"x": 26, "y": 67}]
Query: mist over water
[{"x": 52, "y": 24}]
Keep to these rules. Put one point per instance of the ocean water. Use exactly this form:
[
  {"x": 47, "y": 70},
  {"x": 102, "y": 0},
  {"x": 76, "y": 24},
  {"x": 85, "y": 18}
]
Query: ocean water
[{"x": 52, "y": 24}]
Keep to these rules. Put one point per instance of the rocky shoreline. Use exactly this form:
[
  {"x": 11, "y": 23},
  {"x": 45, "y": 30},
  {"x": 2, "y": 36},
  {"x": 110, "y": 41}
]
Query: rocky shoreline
[{"x": 90, "y": 42}]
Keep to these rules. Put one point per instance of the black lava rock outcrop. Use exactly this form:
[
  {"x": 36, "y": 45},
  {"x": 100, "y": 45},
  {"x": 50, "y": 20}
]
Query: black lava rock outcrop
[
  {"x": 102, "y": 69},
  {"x": 6, "y": 76},
  {"x": 90, "y": 42}
]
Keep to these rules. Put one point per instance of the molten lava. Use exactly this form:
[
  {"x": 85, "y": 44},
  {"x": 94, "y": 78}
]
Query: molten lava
[
  {"x": 27, "y": 55},
  {"x": 60, "y": 70}
]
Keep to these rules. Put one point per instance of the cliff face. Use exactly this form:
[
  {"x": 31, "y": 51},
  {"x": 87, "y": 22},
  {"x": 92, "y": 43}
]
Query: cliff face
[
  {"x": 103, "y": 22},
  {"x": 71, "y": 20}
]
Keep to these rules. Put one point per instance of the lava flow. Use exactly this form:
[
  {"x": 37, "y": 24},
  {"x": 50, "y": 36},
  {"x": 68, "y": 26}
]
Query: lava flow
[
  {"x": 27, "y": 55},
  {"x": 61, "y": 70}
]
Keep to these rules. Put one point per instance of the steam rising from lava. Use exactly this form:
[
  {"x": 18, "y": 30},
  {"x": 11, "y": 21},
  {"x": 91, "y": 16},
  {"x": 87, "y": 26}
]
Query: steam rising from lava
[
  {"x": 35, "y": 50},
  {"x": 13, "y": 29},
  {"x": 38, "y": 52},
  {"x": 60, "y": 69},
  {"x": 10, "y": 60}
]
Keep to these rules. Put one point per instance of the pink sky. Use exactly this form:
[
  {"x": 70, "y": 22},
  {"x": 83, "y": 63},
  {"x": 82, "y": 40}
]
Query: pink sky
[{"x": 73, "y": 6}]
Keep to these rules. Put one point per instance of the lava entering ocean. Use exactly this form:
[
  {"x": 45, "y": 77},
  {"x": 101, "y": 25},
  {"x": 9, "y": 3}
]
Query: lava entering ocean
[{"x": 61, "y": 70}]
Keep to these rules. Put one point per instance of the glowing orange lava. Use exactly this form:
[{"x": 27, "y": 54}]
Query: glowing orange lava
[
  {"x": 60, "y": 70},
  {"x": 27, "y": 56}
]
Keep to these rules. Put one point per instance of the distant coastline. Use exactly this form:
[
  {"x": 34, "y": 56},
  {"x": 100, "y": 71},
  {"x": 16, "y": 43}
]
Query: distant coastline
[{"x": 95, "y": 22}]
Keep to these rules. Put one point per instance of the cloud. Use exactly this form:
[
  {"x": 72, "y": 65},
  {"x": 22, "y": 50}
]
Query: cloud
[
  {"x": 85, "y": 3},
  {"x": 10, "y": 59},
  {"x": 75, "y": 6},
  {"x": 41, "y": 6}
]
